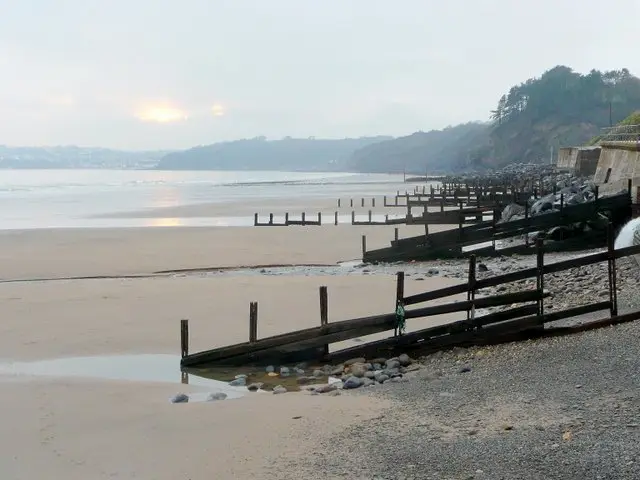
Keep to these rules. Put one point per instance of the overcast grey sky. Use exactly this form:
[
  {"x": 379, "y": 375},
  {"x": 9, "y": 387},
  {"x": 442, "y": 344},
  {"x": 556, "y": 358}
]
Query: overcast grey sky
[{"x": 147, "y": 74}]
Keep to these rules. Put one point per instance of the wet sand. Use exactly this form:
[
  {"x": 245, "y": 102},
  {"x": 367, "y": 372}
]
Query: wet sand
[
  {"x": 31, "y": 254},
  {"x": 75, "y": 428}
]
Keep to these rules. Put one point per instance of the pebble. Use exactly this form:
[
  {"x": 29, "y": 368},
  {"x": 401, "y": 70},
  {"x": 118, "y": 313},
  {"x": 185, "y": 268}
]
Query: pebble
[
  {"x": 352, "y": 382},
  {"x": 279, "y": 389},
  {"x": 212, "y": 397},
  {"x": 180, "y": 398},
  {"x": 329, "y": 387},
  {"x": 404, "y": 360},
  {"x": 238, "y": 382},
  {"x": 392, "y": 363},
  {"x": 355, "y": 360},
  {"x": 254, "y": 387}
]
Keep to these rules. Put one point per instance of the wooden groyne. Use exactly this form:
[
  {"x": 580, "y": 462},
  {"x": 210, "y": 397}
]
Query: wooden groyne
[
  {"x": 526, "y": 316},
  {"x": 287, "y": 221},
  {"x": 450, "y": 243},
  {"x": 458, "y": 204}
]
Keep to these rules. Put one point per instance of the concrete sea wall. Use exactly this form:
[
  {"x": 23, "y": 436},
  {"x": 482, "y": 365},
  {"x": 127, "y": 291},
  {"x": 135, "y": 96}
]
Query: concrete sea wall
[
  {"x": 579, "y": 160},
  {"x": 618, "y": 162}
]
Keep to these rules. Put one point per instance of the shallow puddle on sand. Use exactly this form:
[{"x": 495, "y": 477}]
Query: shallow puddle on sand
[{"x": 140, "y": 368}]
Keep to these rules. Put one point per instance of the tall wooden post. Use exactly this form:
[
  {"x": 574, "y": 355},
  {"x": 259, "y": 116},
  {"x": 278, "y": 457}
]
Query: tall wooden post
[
  {"x": 471, "y": 292},
  {"x": 540, "y": 275},
  {"x": 335, "y": 220},
  {"x": 255, "y": 219},
  {"x": 324, "y": 315},
  {"x": 253, "y": 322},
  {"x": 364, "y": 245},
  {"x": 613, "y": 289},
  {"x": 399, "y": 294},
  {"x": 184, "y": 338}
]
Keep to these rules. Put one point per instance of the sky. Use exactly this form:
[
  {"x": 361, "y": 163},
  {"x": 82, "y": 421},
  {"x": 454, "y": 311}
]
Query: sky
[{"x": 168, "y": 74}]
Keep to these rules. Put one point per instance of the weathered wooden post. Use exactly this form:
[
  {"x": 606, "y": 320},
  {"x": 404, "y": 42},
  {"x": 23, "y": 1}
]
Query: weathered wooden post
[
  {"x": 353, "y": 217},
  {"x": 253, "y": 322},
  {"x": 373, "y": 201},
  {"x": 471, "y": 292},
  {"x": 324, "y": 315},
  {"x": 352, "y": 203},
  {"x": 338, "y": 203},
  {"x": 395, "y": 234},
  {"x": 362, "y": 202},
  {"x": 286, "y": 218},
  {"x": 364, "y": 245},
  {"x": 370, "y": 216},
  {"x": 184, "y": 338},
  {"x": 255, "y": 219},
  {"x": 384, "y": 201},
  {"x": 319, "y": 218},
  {"x": 335, "y": 220},
  {"x": 540, "y": 276},
  {"x": 561, "y": 203},
  {"x": 526, "y": 221},
  {"x": 304, "y": 218},
  {"x": 611, "y": 261},
  {"x": 399, "y": 295},
  {"x": 271, "y": 219}
]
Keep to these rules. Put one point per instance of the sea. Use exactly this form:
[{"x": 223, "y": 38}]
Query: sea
[{"x": 31, "y": 199}]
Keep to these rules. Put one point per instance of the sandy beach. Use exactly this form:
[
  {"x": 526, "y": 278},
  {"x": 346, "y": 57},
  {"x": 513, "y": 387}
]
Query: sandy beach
[{"x": 87, "y": 427}]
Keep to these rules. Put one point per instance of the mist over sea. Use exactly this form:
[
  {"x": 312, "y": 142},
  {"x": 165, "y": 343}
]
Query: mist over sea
[{"x": 74, "y": 198}]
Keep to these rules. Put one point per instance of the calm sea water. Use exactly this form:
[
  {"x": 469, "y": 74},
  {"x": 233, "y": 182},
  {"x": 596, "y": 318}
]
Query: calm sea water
[{"x": 72, "y": 198}]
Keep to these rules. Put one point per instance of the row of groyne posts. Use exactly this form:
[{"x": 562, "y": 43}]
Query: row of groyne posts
[
  {"x": 523, "y": 315},
  {"x": 572, "y": 226},
  {"x": 479, "y": 200}
]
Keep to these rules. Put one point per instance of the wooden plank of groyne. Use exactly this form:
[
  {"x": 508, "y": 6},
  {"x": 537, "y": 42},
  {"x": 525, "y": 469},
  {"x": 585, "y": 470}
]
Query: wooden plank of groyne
[{"x": 219, "y": 354}]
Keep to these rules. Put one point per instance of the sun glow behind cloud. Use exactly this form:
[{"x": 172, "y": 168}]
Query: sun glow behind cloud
[
  {"x": 218, "y": 110},
  {"x": 161, "y": 114}
]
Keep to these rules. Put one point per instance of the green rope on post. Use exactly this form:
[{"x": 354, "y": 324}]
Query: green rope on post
[{"x": 401, "y": 324}]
